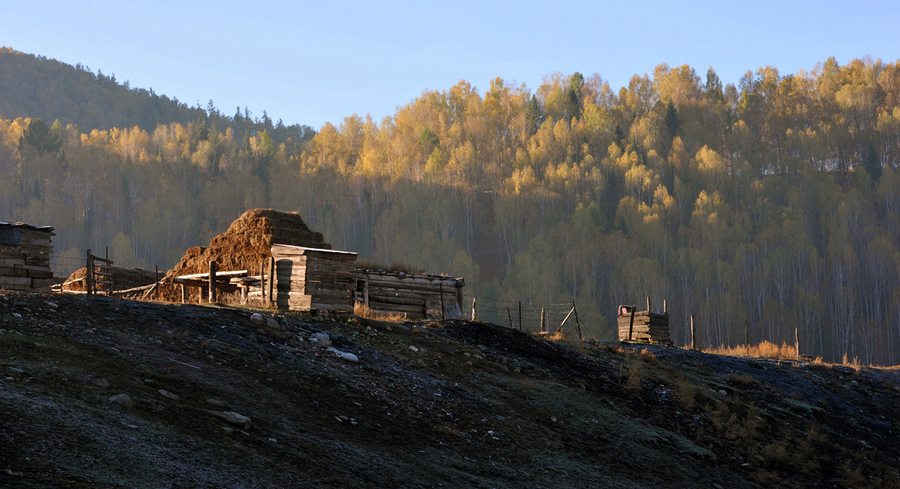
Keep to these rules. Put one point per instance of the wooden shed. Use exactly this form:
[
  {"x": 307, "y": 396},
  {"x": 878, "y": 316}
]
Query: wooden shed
[
  {"x": 415, "y": 295},
  {"x": 643, "y": 325},
  {"x": 25, "y": 256},
  {"x": 312, "y": 278}
]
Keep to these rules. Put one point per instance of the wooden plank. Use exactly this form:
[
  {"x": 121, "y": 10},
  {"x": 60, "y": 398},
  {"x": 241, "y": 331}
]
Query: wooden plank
[
  {"x": 13, "y": 272},
  {"x": 404, "y": 295},
  {"x": 13, "y": 261},
  {"x": 223, "y": 286},
  {"x": 22, "y": 281},
  {"x": 329, "y": 296},
  {"x": 233, "y": 273},
  {"x": 398, "y": 308},
  {"x": 282, "y": 250},
  {"x": 39, "y": 273},
  {"x": 333, "y": 307},
  {"x": 397, "y": 300},
  {"x": 16, "y": 287},
  {"x": 37, "y": 249},
  {"x": 412, "y": 282}
]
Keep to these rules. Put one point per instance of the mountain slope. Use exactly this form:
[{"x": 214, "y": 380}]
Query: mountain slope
[
  {"x": 454, "y": 404},
  {"x": 39, "y": 87}
]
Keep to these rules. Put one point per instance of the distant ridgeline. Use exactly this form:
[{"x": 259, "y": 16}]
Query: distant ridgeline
[{"x": 39, "y": 87}]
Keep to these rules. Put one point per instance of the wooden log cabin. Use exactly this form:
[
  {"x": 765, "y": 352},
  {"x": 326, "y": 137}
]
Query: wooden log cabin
[
  {"x": 645, "y": 326},
  {"x": 312, "y": 278},
  {"x": 414, "y": 295},
  {"x": 25, "y": 256}
]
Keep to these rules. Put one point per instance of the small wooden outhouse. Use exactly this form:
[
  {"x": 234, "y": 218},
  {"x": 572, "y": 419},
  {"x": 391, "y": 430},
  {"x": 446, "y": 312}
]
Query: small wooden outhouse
[
  {"x": 312, "y": 278},
  {"x": 643, "y": 325},
  {"x": 25, "y": 256}
]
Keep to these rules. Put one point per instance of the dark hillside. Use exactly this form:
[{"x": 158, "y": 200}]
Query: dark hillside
[
  {"x": 218, "y": 398},
  {"x": 39, "y": 87}
]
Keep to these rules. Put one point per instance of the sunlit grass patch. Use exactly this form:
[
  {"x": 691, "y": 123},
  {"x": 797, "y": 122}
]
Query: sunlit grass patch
[{"x": 765, "y": 349}]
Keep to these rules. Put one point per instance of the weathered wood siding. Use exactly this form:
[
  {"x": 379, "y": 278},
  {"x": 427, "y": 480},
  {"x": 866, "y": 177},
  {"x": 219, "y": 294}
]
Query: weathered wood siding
[
  {"x": 311, "y": 278},
  {"x": 648, "y": 326},
  {"x": 418, "y": 296},
  {"x": 25, "y": 256}
]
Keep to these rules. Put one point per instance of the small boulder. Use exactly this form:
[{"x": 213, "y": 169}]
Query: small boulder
[
  {"x": 168, "y": 394},
  {"x": 234, "y": 418},
  {"x": 101, "y": 383},
  {"x": 344, "y": 355},
  {"x": 257, "y": 319},
  {"x": 123, "y": 400},
  {"x": 322, "y": 339},
  {"x": 348, "y": 357}
]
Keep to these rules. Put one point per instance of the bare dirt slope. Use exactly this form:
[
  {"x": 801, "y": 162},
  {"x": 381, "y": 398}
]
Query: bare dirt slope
[{"x": 98, "y": 392}]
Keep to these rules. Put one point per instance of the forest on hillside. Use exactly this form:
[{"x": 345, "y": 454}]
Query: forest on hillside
[
  {"x": 38, "y": 87},
  {"x": 771, "y": 205}
]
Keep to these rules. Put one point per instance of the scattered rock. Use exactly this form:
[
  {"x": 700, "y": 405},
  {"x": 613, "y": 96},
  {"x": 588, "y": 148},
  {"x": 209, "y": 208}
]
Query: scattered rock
[
  {"x": 52, "y": 305},
  {"x": 322, "y": 339},
  {"x": 413, "y": 348},
  {"x": 344, "y": 355},
  {"x": 101, "y": 382},
  {"x": 168, "y": 394},
  {"x": 16, "y": 370},
  {"x": 257, "y": 319},
  {"x": 228, "y": 430},
  {"x": 123, "y": 400},
  {"x": 233, "y": 418},
  {"x": 217, "y": 403},
  {"x": 271, "y": 323}
]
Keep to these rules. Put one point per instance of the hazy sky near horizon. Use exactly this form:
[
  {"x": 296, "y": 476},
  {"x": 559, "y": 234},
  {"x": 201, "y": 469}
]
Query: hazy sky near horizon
[{"x": 317, "y": 62}]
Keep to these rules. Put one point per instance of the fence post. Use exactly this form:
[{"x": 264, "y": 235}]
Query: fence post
[
  {"x": 271, "y": 284},
  {"x": 797, "y": 343},
  {"x": 520, "y": 315},
  {"x": 262, "y": 281},
  {"x": 213, "y": 266},
  {"x": 577, "y": 322},
  {"x": 473, "y": 309},
  {"x": 89, "y": 273},
  {"x": 747, "y": 336},
  {"x": 509, "y": 314},
  {"x": 543, "y": 327},
  {"x": 631, "y": 323},
  {"x": 692, "y": 332},
  {"x": 441, "y": 287},
  {"x": 648, "y": 303}
]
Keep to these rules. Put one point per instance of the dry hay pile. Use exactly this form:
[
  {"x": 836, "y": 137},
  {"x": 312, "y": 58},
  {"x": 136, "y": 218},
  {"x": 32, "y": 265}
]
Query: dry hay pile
[
  {"x": 122, "y": 278},
  {"x": 244, "y": 246}
]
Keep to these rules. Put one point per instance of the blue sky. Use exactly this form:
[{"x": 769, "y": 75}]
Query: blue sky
[{"x": 317, "y": 62}]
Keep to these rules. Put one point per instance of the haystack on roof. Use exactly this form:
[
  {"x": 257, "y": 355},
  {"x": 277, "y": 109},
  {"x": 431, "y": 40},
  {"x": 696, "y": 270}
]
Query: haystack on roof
[{"x": 246, "y": 243}]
